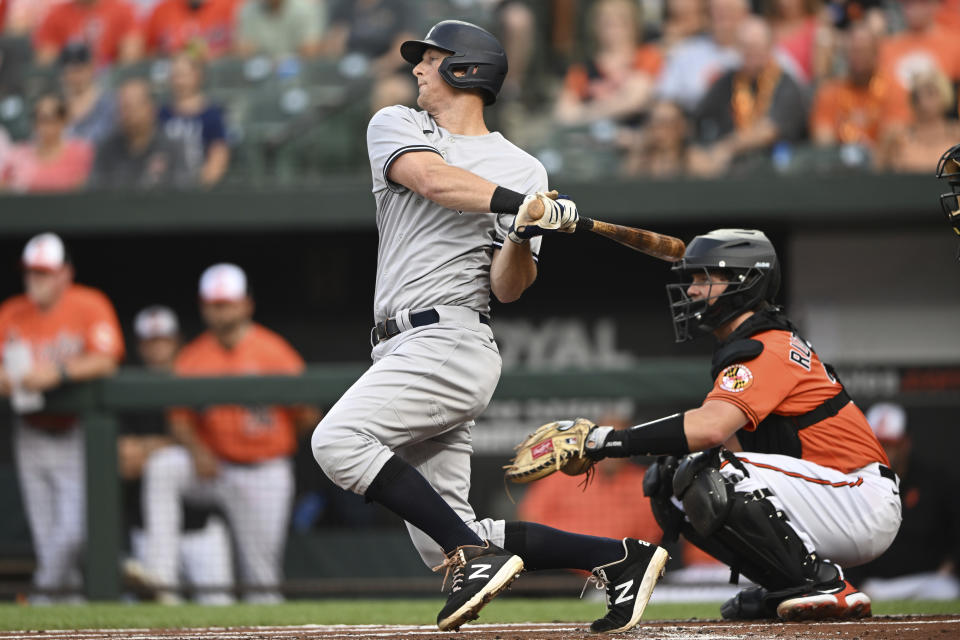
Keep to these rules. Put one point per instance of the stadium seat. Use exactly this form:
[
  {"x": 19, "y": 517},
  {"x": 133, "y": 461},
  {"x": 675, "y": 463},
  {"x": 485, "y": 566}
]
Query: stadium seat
[{"x": 15, "y": 116}]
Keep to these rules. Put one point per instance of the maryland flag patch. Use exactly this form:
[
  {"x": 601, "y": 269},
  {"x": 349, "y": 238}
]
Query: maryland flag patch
[{"x": 736, "y": 378}]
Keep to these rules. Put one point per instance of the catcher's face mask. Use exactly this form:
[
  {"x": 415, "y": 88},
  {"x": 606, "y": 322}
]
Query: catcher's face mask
[
  {"x": 948, "y": 168},
  {"x": 709, "y": 298}
]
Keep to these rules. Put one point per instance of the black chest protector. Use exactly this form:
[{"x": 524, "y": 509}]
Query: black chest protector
[{"x": 776, "y": 433}]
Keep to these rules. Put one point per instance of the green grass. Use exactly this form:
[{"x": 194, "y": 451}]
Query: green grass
[{"x": 335, "y": 611}]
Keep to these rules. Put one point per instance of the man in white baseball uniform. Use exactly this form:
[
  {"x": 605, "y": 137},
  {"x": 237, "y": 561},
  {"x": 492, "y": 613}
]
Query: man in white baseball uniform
[
  {"x": 788, "y": 482},
  {"x": 206, "y": 558},
  {"x": 456, "y": 223},
  {"x": 235, "y": 457},
  {"x": 55, "y": 333}
]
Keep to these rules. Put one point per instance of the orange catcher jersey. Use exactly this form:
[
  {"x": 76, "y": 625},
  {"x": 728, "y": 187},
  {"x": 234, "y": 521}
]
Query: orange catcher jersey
[{"x": 788, "y": 379}]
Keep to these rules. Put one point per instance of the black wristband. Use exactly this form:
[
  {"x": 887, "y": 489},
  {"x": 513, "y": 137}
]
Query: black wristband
[
  {"x": 659, "y": 437},
  {"x": 504, "y": 200}
]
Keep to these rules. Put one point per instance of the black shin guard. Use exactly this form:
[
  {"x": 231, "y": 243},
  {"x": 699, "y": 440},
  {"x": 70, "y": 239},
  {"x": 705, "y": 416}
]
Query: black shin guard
[{"x": 745, "y": 530}]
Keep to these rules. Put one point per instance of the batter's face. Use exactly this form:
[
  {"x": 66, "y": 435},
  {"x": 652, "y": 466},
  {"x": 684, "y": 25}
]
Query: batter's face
[
  {"x": 705, "y": 287},
  {"x": 224, "y": 316},
  {"x": 433, "y": 89}
]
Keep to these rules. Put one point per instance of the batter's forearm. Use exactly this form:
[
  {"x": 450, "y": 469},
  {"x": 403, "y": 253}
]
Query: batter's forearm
[{"x": 512, "y": 271}]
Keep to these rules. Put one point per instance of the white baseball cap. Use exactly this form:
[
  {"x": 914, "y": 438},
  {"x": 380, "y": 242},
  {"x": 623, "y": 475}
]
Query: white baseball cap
[
  {"x": 44, "y": 252},
  {"x": 888, "y": 421},
  {"x": 157, "y": 321},
  {"x": 223, "y": 282}
]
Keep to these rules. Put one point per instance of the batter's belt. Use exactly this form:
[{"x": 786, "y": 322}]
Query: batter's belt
[{"x": 388, "y": 328}]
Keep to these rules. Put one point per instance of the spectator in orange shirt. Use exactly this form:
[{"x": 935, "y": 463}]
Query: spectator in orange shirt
[
  {"x": 207, "y": 25},
  {"x": 617, "y": 83},
  {"x": 108, "y": 26},
  {"x": 948, "y": 15},
  {"x": 860, "y": 108},
  {"x": 236, "y": 457},
  {"x": 56, "y": 333},
  {"x": 922, "y": 47},
  {"x": 560, "y": 502},
  {"x": 51, "y": 162}
]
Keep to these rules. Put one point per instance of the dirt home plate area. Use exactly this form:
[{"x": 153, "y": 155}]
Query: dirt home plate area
[{"x": 876, "y": 628}]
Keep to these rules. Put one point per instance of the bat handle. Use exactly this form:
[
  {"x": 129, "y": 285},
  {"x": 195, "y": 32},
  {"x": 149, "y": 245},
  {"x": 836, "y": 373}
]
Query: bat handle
[
  {"x": 536, "y": 208},
  {"x": 584, "y": 224}
]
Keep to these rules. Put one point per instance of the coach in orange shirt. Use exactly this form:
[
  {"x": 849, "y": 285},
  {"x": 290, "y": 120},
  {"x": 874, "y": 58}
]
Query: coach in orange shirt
[
  {"x": 207, "y": 25},
  {"x": 862, "y": 107},
  {"x": 236, "y": 457},
  {"x": 57, "y": 332}
]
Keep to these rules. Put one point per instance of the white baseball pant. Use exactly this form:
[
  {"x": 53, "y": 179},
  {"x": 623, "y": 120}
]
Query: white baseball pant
[
  {"x": 848, "y": 518},
  {"x": 418, "y": 400},
  {"x": 206, "y": 560},
  {"x": 52, "y": 472},
  {"x": 256, "y": 500}
]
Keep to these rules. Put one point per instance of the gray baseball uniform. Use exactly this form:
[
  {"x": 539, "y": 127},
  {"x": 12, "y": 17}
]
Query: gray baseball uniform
[{"x": 427, "y": 385}]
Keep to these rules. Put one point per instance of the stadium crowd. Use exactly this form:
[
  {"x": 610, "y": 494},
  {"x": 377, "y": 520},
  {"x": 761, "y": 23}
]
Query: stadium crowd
[{"x": 183, "y": 93}]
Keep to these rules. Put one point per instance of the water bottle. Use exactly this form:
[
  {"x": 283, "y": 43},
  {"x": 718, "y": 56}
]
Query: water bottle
[{"x": 17, "y": 362}]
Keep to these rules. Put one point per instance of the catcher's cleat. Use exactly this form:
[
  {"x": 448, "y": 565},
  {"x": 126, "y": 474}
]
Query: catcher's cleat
[
  {"x": 479, "y": 574},
  {"x": 629, "y": 583},
  {"x": 752, "y": 603},
  {"x": 838, "y": 602}
]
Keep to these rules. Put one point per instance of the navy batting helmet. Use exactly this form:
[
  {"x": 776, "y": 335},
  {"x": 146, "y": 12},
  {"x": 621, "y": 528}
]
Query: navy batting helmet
[
  {"x": 750, "y": 269},
  {"x": 473, "y": 50}
]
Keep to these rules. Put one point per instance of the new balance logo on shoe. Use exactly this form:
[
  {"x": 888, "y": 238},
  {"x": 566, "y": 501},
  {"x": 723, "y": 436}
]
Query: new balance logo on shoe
[
  {"x": 624, "y": 589},
  {"x": 480, "y": 571},
  {"x": 479, "y": 574},
  {"x": 629, "y": 583}
]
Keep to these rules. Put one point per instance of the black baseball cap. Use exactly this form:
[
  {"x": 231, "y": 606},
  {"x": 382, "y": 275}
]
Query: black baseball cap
[{"x": 75, "y": 53}]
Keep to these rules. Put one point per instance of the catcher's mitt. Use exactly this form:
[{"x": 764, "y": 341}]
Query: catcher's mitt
[{"x": 556, "y": 446}]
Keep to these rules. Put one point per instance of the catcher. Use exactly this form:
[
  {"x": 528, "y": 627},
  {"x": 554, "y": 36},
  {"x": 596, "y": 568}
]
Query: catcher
[{"x": 777, "y": 473}]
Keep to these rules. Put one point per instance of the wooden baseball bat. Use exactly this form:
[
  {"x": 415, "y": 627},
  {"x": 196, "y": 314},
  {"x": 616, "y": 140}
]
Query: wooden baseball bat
[{"x": 651, "y": 243}]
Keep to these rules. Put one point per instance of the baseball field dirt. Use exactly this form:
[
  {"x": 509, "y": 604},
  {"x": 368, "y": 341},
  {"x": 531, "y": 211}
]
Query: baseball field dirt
[{"x": 876, "y": 628}]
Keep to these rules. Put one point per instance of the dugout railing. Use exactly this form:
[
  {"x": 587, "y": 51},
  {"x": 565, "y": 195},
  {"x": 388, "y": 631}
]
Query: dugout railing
[{"x": 654, "y": 381}]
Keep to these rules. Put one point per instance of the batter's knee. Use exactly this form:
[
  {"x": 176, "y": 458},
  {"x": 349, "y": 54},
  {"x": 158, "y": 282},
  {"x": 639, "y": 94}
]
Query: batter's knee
[{"x": 349, "y": 457}]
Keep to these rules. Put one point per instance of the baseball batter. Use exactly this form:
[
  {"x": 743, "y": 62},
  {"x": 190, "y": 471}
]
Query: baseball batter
[
  {"x": 789, "y": 482},
  {"x": 55, "y": 333},
  {"x": 401, "y": 434}
]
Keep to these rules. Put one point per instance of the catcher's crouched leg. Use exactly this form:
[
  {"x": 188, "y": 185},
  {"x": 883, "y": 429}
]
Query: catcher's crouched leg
[{"x": 748, "y": 533}]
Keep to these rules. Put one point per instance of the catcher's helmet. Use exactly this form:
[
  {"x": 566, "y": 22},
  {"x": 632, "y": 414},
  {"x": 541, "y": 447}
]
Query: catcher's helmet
[
  {"x": 949, "y": 168},
  {"x": 742, "y": 259},
  {"x": 474, "y": 51}
]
